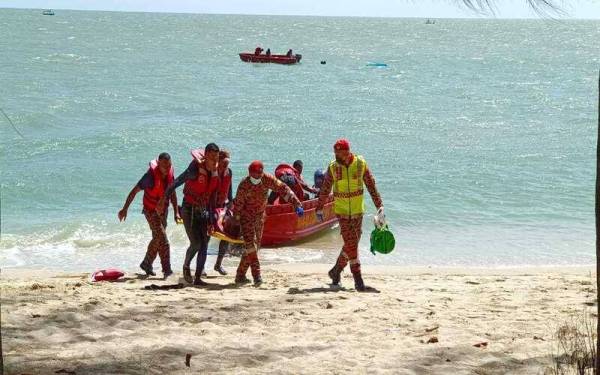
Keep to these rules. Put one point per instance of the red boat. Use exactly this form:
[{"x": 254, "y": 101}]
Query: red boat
[
  {"x": 282, "y": 225},
  {"x": 276, "y": 59}
]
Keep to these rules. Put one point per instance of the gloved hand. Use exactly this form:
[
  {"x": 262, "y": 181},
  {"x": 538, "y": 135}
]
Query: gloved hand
[
  {"x": 320, "y": 217},
  {"x": 300, "y": 211}
]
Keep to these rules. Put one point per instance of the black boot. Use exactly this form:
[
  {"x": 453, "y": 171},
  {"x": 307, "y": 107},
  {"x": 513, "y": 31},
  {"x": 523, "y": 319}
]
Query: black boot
[
  {"x": 187, "y": 275},
  {"x": 335, "y": 275},
  {"x": 223, "y": 246},
  {"x": 240, "y": 280},
  {"x": 148, "y": 269},
  {"x": 359, "y": 284},
  {"x": 258, "y": 280},
  {"x": 199, "y": 282}
]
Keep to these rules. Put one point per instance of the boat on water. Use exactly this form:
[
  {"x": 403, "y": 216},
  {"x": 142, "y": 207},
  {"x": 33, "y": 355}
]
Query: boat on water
[
  {"x": 48, "y": 12},
  {"x": 275, "y": 59},
  {"x": 282, "y": 225}
]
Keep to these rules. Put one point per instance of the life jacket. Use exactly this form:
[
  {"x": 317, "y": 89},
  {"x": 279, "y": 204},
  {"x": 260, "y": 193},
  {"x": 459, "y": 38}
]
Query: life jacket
[
  {"x": 195, "y": 191},
  {"x": 224, "y": 184},
  {"x": 286, "y": 169},
  {"x": 283, "y": 169},
  {"x": 348, "y": 186},
  {"x": 154, "y": 194}
]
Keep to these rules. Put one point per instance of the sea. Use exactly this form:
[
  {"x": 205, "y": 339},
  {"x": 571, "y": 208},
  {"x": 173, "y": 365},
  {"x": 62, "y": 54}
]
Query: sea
[{"x": 480, "y": 133}]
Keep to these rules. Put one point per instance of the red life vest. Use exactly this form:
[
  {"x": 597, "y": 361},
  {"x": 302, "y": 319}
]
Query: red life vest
[
  {"x": 286, "y": 169},
  {"x": 224, "y": 184},
  {"x": 153, "y": 195},
  {"x": 197, "y": 192}
]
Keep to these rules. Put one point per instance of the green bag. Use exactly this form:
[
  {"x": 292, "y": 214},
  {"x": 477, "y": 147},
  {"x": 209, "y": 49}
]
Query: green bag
[{"x": 382, "y": 240}]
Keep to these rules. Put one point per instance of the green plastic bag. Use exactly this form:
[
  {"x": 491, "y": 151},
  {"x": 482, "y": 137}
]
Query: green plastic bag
[{"x": 382, "y": 240}]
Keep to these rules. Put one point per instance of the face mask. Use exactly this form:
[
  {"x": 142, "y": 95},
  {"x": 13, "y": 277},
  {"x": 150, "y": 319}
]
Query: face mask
[{"x": 255, "y": 181}]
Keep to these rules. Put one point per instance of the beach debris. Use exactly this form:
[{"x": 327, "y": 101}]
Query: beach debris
[
  {"x": 188, "y": 358},
  {"x": 36, "y": 286},
  {"x": 432, "y": 340},
  {"x": 483, "y": 344},
  {"x": 448, "y": 360},
  {"x": 326, "y": 305},
  {"x": 431, "y": 329},
  {"x": 289, "y": 300},
  {"x": 163, "y": 287},
  {"x": 63, "y": 371},
  {"x": 473, "y": 282},
  {"x": 538, "y": 338},
  {"x": 35, "y": 315}
]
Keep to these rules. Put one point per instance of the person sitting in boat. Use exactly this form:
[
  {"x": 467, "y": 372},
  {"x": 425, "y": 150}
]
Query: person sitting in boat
[
  {"x": 289, "y": 53},
  {"x": 268, "y": 53},
  {"x": 258, "y": 51},
  {"x": 276, "y": 198},
  {"x": 298, "y": 168}
]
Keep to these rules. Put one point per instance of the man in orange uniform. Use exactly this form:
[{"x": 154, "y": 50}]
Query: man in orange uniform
[
  {"x": 154, "y": 184},
  {"x": 249, "y": 209},
  {"x": 346, "y": 176}
]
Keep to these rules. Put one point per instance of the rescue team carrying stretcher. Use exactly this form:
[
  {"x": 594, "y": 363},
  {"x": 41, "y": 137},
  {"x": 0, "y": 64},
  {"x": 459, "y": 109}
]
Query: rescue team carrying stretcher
[{"x": 208, "y": 190}]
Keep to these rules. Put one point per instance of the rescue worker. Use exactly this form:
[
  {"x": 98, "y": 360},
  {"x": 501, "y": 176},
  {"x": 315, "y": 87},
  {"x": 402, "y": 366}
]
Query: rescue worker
[
  {"x": 299, "y": 167},
  {"x": 289, "y": 53},
  {"x": 249, "y": 208},
  {"x": 224, "y": 199},
  {"x": 318, "y": 178},
  {"x": 201, "y": 180},
  {"x": 258, "y": 51},
  {"x": 154, "y": 183},
  {"x": 346, "y": 176}
]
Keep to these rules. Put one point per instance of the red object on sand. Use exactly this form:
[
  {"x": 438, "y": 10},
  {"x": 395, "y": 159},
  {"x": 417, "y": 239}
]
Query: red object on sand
[
  {"x": 108, "y": 274},
  {"x": 282, "y": 225},
  {"x": 276, "y": 59}
]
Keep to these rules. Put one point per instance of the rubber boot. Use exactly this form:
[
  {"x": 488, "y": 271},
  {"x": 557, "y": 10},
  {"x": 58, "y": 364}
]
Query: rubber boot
[
  {"x": 335, "y": 275},
  {"x": 187, "y": 275},
  {"x": 257, "y": 280},
  {"x": 359, "y": 284},
  {"x": 241, "y": 280},
  {"x": 148, "y": 269},
  {"x": 198, "y": 280}
]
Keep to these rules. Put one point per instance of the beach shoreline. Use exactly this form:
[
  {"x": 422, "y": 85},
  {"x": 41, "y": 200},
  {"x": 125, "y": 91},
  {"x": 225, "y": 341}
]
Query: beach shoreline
[{"x": 421, "y": 320}]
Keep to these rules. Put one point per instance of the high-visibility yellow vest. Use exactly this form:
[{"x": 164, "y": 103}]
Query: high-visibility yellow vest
[{"x": 348, "y": 186}]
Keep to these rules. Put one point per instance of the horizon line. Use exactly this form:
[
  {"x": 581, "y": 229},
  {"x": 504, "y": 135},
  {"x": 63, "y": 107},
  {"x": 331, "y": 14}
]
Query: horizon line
[{"x": 475, "y": 17}]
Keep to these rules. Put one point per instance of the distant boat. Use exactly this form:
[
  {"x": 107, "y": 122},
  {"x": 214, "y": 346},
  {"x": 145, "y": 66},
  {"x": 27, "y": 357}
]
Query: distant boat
[
  {"x": 430, "y": 22},
  {"x": 48, "y": 12},
  {"x": 276, "y": 59}
]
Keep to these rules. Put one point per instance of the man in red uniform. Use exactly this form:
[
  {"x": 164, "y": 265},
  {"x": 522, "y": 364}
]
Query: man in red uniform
[
  {"x": 154, "y": 183},
  {"x": 346, "y": 176},
  {"x": 249, "y": 209},
  {"x": 299, "y": 167}
]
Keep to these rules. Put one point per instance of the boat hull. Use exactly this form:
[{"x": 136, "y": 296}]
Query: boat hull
[
  {"x": 274, "y": 59},
  {"x": 282, "y": 225}
]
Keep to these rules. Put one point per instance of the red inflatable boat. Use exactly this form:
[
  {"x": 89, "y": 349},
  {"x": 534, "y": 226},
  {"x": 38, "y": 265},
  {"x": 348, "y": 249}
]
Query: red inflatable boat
[
  {"x": 276, "y": 59},
  {"x": 282, "y": 225}
]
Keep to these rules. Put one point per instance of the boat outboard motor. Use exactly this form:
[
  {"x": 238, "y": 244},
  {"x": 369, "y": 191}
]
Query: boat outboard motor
[{"x": 298, "y": 57}]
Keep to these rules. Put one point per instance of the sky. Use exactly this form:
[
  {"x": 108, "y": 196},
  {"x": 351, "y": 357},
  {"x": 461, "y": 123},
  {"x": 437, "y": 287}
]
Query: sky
[{"x": 368, "y": 8}]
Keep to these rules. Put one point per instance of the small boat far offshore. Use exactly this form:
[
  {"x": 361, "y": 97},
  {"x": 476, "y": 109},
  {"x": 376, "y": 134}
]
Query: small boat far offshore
[
  {"x": 48, "y": 12},
  {"x": 275, "y": 59}
]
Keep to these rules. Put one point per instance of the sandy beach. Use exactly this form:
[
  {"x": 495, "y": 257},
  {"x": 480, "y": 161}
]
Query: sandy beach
[{"x": 420, "y": 321}]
